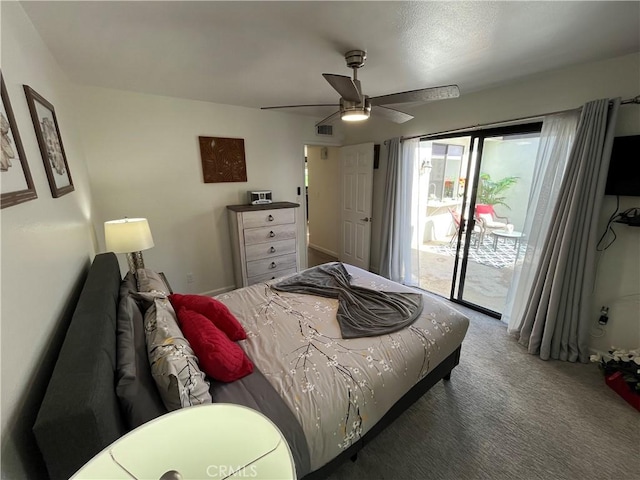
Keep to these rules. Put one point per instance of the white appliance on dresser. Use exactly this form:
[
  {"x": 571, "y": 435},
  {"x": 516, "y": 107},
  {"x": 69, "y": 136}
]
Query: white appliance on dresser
[{"x": 264, "y": 240}]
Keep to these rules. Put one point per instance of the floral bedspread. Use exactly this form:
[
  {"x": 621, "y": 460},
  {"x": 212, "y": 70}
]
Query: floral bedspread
[{"x": 338, "y": 388}]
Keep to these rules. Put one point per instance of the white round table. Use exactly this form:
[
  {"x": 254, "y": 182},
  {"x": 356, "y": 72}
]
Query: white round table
[
  {"x": 515, "y": 236},
  {"x": 214, "y": 441}
]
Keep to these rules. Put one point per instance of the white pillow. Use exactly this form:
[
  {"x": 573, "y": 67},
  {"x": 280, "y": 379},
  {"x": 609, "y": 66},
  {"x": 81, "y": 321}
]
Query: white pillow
[{"x": 487, "y": 219}]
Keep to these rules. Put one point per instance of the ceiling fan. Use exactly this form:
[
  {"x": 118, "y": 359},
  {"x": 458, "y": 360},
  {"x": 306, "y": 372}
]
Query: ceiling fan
[{"x": 355, "y": 106}]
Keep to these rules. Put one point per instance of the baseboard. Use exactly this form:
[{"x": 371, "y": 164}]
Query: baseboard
[
  {"x": 218, "y": 291},
  {"x": 323, "y": 250}
]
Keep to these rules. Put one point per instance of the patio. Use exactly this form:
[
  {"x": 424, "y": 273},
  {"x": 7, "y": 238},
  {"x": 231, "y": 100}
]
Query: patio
[{"x": 488, "y": 276}]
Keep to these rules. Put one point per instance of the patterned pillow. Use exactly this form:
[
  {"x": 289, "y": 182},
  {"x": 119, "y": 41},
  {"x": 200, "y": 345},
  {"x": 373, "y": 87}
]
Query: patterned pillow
[{"x": 174, "y": 366}]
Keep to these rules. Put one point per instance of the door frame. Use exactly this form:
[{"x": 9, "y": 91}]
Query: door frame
[{"x": 302, "y": 199}]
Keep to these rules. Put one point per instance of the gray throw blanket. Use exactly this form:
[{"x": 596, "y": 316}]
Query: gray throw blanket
[{"x": 362, "y": 312}]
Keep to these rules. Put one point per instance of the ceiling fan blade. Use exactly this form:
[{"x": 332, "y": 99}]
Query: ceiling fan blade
[
  {"x": 390, "y": 114},
  {"x": 329, "y": 119},
  {"x": 296, "y": 106},
  {"x": 345, "y": 86},
  {"x": 421, "y": 95}
]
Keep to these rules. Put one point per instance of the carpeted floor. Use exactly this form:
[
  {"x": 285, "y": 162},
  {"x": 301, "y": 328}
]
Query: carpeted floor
[{"x": 507, "y": 415}]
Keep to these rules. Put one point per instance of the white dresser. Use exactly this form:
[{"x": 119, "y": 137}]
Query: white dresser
[{"x": 264, "y": 240}]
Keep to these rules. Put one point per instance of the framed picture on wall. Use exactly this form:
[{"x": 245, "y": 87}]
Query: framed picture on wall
[
  {"x": 45, "y": 123},
  {"x": 15, "y": 177},
  {"x": 223, "y": 159}
]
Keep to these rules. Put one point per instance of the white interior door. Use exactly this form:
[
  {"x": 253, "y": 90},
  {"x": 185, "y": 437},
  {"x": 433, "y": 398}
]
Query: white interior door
[{"x": 356, "y": 172}]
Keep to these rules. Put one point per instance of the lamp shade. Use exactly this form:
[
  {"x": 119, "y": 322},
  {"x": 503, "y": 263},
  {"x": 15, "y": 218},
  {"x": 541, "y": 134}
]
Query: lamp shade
[{"x": 127, "y": 235}]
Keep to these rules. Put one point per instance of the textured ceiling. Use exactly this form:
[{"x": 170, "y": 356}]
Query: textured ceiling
[{"x": 273, "y": 53}]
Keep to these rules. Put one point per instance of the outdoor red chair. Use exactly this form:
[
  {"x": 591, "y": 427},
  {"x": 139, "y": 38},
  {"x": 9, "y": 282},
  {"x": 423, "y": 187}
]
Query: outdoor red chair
[
  {"x": 487, "y": 216},
  {"x": 477, "y": 235}
]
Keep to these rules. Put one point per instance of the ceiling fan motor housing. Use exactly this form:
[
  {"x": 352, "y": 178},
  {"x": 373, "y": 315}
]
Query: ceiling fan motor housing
[{"x": 355, "y": 58}]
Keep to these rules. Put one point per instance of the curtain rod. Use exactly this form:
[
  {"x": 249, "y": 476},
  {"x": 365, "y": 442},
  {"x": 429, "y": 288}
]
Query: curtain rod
[{"x": 633, "y": 100}]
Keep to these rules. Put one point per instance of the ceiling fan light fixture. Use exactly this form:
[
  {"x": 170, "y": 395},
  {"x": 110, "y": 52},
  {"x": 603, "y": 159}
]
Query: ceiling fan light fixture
[
  {"x": 354, "y": 116},
  {"x": 355, "y": 111}
]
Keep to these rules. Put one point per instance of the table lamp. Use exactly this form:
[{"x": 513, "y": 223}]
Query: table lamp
[
  {"x": 130, "y": 236},
  {"x": 210, "y": 441}
]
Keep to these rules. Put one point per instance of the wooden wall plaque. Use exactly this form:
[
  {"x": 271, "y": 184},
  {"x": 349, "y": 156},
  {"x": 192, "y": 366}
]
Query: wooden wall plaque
[{"x": 223, "y": 159}]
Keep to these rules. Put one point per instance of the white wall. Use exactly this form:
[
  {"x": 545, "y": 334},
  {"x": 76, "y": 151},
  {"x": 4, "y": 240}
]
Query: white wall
[
  {"x": 517, "y": 159},
  {"x": 618, "y": 272},
  {"x": 324, "y": 202},
  {"x": 618, "y": 283},
  {"x": 144, "y": 160},
  {"x": 46, "y": 247}
]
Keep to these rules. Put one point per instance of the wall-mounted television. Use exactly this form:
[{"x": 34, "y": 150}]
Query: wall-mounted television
[{"x": 624, "y": 169}]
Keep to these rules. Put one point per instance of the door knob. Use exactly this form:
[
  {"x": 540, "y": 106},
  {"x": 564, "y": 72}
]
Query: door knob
[{"x": 366, "y": 219}]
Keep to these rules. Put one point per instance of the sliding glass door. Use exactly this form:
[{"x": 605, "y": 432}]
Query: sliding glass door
[
  {"x": 495, "y": 210},
  {"x": 472, "y": 195}
]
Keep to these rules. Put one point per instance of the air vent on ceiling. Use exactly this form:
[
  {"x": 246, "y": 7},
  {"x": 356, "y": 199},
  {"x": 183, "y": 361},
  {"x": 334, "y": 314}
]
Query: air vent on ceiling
[{"x": 324, "y": 130}]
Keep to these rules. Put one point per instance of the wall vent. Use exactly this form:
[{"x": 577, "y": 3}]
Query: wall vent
[{"x": 324, "y": 130}]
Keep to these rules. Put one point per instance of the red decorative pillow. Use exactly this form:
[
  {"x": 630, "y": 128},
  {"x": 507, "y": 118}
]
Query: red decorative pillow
[
  {"x": 219, "y": 357},
  {"x": 214, "y": 310}
]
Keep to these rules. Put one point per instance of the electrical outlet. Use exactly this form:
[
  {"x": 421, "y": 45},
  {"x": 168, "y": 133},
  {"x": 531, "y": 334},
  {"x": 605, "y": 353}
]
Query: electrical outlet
[
  {"x": 189, "y": 277},
  {"x": 604, "y": 315}
]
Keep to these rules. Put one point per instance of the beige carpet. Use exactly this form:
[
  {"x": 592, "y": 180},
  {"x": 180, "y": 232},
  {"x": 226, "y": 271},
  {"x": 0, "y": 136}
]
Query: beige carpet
[{"x": 507, "y": 415}]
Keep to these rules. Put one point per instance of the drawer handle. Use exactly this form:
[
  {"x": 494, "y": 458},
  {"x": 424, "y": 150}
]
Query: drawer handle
[
  {"x": 270, "y": 217},
  {"x": 271, "y": 234},
  {"x": 272, "y": 250},
  {"x": 273, "y": 278},
  {"x": 273, "y": 265}
]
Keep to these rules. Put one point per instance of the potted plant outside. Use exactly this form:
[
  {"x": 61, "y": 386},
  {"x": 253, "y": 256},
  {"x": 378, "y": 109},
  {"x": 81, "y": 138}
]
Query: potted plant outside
[{"x": 492, "y": 192}]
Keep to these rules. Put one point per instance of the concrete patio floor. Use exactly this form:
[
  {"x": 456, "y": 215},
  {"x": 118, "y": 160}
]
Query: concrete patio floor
[{"x": 484, "y": 285}]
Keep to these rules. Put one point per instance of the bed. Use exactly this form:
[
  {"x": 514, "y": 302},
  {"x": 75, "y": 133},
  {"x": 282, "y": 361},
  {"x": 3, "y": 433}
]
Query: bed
[{"x": 328, "y": 395}]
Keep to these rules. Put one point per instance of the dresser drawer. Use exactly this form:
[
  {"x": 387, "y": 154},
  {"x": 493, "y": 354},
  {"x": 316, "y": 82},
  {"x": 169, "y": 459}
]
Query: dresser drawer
[
  {"x": 270, "y": 249},
  {"x": 268, "y": 265},
  {"x": 269, "y": 234},
  {"x": 263, "y": 218},
  {"x": 270, "y": 276}
]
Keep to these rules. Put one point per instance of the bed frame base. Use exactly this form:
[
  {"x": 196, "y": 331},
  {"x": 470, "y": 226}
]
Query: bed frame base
[{"x": 441, "y": 372}]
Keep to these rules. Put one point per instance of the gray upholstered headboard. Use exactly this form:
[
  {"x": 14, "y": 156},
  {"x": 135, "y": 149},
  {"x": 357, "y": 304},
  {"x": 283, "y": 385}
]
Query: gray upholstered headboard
[{"x": 80, "y": 414}]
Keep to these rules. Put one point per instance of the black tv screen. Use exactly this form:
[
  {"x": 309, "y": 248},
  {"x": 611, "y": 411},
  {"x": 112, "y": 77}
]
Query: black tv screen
[{"x": 624, "y": 169}]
